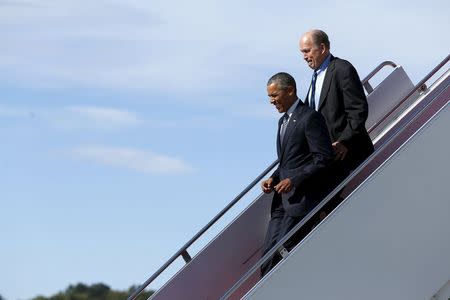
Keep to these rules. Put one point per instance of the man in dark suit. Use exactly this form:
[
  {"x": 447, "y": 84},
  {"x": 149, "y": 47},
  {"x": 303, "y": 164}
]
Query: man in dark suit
[
  {"x": 304, "y": 150},
  {"x": 337, "y": 93}
]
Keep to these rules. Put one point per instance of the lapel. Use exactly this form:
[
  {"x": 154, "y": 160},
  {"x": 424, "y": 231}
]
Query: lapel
[
  {"x": 307, "y": 96},
  {"x": 278, "y": 137},
  {"x": 326, "y": 83},
  {"x": 293, "y": 121}
]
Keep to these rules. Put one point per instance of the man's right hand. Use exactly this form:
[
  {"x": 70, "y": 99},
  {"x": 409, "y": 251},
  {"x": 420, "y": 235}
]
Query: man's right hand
[{"x": 267, "y": 185}]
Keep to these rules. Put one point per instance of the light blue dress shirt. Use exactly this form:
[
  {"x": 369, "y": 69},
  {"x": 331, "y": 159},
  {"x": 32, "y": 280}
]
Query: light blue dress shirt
[{"x": 321, "y": 71}]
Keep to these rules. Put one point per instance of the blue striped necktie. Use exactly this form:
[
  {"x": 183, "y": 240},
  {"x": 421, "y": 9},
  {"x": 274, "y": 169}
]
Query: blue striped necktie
[
  {"x": 283, "y": 126},
  {"x": 312, "y": 101}
]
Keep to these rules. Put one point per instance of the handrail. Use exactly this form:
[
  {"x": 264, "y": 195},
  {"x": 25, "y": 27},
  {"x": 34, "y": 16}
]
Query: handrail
[
  {"x": 419, "y": 86},
  {"x": 183, "y": 251},
  {"x": 279, "y": 246},
  {"x": 365, "y": 81}
]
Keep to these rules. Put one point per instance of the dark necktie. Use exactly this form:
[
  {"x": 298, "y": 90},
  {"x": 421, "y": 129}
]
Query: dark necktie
[
  {"x": 312, "y": 101},
  {"x": 283, "y": 126}
]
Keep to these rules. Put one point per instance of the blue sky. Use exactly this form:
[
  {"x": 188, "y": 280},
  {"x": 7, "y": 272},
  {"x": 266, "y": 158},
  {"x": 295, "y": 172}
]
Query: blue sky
[{"x": 127, "y": 125}]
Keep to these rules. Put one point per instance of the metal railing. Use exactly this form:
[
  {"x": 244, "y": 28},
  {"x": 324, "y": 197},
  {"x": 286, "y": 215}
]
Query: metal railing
[
  {"x": 365, "y": 81},
  {"x": 183, "y": 251},
  {"x": 418, "y": 87},
  {"x": 279, "y": 246}
]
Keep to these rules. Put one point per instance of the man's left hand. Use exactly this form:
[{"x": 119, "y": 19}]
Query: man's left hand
[
  {"x": 285, "y": 186},
  {"x": 340, "y": 150}
]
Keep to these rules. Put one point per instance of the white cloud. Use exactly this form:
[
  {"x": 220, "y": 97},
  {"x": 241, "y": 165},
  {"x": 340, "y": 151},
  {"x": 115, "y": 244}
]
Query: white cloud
[
  {"x": 178, "y": 47},
  {"x": 78, "y": 117},
  {"x": 135, "y": 45},
  {"x": 133, "y": 159},
  {"x": 105, "y": 117}
]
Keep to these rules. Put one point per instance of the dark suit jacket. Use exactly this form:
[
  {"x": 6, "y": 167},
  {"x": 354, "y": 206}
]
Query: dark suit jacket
[
  {"x": 344, "y": 106},
  {"x": 305, "y": 152}
]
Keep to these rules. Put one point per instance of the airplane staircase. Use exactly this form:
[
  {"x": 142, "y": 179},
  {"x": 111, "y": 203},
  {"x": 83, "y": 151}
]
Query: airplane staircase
[{"x": 389, "y": 238}]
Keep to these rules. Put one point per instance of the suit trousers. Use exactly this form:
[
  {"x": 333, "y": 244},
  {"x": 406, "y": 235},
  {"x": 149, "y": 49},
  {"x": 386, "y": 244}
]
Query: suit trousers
[
  {"x": 338, "y": 172},
  {"x": 279, "y": 225}
]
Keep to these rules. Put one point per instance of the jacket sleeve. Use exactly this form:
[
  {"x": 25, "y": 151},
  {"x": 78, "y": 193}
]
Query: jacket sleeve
[
  {"x": 276, "y": 175},
  {"x": 322, "y": 153},
  {"x": 355, "y": 103}
]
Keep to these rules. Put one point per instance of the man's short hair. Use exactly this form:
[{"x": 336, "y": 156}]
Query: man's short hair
[
  {"x": 318, "y": 37},
  {"x": 282, "y": 80}
]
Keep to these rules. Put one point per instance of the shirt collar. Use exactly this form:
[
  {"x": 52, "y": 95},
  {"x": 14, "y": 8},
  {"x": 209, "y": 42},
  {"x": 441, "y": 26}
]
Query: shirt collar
[
  {"x": 324, "y": 65},
  {"x": 292, "y": 108}
]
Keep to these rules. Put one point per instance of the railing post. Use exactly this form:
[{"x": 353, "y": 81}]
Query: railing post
[{"x": 187, "y": 258}]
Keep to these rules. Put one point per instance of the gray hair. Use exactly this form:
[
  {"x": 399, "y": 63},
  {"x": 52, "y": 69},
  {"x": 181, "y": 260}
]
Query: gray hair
[
  {"x": 318, "y": 37},
  {"x": 282, "y": 80}
]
